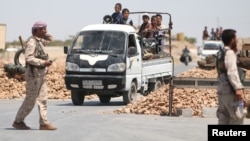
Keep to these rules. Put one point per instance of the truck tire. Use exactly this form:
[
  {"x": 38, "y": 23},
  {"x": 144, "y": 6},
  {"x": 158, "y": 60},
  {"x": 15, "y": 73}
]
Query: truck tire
[
  {"x": 77, "y": 97},
  {"x": 17, "y": 56},
  {"x": 131, "y": 95},
  {"x": 104, "y": 98},
  {"x": 155, "y": 86}
]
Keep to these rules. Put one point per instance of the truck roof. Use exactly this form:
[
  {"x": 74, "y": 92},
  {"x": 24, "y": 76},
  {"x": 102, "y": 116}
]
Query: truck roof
[{"x": 110, "y": 27}]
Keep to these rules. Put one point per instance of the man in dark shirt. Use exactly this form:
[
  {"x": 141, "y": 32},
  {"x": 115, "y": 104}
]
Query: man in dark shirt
[
  {"x": 117, "y": 15},
  {"x": 145, "y": 18},
  {"x": 205, "y": 34},
  {"x": 125, "y": 18}
]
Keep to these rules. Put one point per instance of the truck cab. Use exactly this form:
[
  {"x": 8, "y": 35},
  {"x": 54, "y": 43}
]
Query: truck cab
[
  {"x": 107, "y": 60},
  {"x": 210, "y": 47}
]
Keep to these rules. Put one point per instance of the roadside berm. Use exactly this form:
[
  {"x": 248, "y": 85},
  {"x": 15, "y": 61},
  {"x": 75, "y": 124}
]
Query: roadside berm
[{"x": 156, "y": 103}]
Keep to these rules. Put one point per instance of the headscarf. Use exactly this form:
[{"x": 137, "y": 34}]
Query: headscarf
[{"x": 38, "y": 24}]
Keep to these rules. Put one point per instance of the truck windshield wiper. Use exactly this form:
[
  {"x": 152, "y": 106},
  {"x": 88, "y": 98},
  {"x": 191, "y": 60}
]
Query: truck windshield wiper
[
  {"x": 113, "y": 54},
  {"x": 89, "y": 51},
  {"x": 108, "y": 52},
  {"x": 83, "y": 51},
  {"x": 97, "y": 52}
]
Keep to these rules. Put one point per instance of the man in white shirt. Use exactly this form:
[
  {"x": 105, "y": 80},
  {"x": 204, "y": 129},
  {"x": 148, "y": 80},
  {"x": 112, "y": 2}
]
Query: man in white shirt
[{"x": 160, "y": 26}]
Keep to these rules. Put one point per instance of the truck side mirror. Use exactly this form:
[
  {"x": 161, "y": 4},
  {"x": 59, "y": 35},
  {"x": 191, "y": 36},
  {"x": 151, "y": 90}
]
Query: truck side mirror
[
  {"x": 65, "y": 49},
  {"x": 131, "y": 51}
]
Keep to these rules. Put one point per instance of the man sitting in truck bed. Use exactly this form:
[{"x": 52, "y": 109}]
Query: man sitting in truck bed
[
  {"x": 151, "y": 29},
  {"x": 145, "y": 18}
]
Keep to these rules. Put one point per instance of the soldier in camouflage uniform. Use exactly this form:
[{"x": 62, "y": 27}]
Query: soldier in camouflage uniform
[
  {"x": 37, "y": 63},
  {"x": 230, "y": 88}
]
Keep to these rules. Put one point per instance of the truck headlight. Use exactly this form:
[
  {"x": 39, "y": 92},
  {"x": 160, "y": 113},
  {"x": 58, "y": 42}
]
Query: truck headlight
[
  {"x": 72, "y": 67},
  {"x": 119, "y": 67}
]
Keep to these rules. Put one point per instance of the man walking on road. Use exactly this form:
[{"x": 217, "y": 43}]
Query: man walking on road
[
  {"x": 230, "y": 88},
  {"x": 36, "y": 68}
]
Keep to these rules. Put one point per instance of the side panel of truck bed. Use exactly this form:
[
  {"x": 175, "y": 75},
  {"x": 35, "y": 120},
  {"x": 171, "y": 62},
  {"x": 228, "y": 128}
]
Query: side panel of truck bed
[{"x": 157, "y": 67}]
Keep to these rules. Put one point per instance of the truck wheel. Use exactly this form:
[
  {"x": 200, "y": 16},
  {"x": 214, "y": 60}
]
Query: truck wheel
[
  {"x": 17, "y": 57},
  {"x": 131, "y": 95},
  {"x": 104, "y": 98},
  {"x": 155, "y": 86},
  {"x": 77, "y": 97}
]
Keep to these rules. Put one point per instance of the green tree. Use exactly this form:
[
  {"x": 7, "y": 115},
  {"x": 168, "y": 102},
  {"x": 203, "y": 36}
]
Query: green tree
[
  {"x": 191, "y": 40},
  {"x": 67, "y": 42}
]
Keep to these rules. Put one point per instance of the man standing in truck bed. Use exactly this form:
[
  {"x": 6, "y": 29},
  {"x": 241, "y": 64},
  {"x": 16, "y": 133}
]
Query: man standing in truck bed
[
  {"x": 205, "y": 34},
  {"x": 117, "y": 15}
]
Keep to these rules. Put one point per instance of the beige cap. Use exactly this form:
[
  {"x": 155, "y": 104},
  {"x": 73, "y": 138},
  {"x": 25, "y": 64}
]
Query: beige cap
[{"x": 145, "y": 14}]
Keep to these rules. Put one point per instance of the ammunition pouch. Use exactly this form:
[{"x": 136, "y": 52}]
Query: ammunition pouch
[
  {"x": 37, "y": 67},
  {"x": 42, "y": 56}
]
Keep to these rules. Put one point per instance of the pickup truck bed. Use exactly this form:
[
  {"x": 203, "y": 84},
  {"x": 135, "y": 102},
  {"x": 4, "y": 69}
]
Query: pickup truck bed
[{"x": 161, "y": 66}]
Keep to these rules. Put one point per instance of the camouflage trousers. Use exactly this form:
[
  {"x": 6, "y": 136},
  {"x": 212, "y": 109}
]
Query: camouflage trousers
[
  {"x": 36, "y": 91},
  {"x": 226, "y": 110}
]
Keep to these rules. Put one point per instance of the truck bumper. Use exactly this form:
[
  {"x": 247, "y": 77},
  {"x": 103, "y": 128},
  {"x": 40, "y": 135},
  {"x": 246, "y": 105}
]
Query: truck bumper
[{"x": 95, "y": 83}]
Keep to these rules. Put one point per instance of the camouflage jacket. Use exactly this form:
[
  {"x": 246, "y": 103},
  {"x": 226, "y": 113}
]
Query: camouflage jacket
[{"x": 34, "y": 52}]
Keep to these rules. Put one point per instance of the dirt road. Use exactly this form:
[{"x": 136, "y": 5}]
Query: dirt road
[{"x": 95, "y": 122}]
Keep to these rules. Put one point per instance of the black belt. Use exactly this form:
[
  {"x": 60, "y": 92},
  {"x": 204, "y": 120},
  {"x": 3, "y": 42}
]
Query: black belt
[{"x": 37, "y": 67}]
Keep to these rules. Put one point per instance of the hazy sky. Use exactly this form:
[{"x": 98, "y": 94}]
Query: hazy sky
[{"x": 66, "y": 17}]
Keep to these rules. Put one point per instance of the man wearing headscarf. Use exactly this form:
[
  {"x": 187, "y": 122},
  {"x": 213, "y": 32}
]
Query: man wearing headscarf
[{"x": 37, "y": 63}]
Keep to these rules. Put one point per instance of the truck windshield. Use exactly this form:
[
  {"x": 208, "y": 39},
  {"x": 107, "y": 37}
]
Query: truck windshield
[
  {"x": 99, "y": 42},
  {"x": 212, "y": 46}
]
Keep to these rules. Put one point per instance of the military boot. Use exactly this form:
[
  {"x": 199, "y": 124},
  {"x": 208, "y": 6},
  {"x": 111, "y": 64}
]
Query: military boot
[
  {"x": 47, "y": 127},
  {"x": 21, "y": 126}
]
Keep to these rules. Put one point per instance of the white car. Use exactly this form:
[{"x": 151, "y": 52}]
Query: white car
[{"x": 210, "y": 48}]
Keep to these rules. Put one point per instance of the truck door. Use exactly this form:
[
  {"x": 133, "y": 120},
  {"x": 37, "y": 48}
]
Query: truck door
[{"x": 134, "y": 62}]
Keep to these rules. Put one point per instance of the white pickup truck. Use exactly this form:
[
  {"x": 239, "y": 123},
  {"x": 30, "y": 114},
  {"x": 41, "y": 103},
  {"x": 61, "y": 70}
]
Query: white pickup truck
[
  {"x": 108, "y": 60},
  {"x": 210, "y": 47}
]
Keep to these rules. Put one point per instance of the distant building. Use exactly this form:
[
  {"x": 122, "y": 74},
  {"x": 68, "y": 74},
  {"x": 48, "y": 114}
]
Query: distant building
[{"x": 2, "y": 36}]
